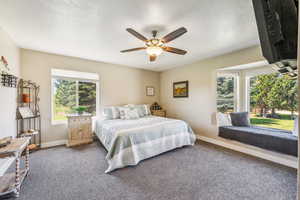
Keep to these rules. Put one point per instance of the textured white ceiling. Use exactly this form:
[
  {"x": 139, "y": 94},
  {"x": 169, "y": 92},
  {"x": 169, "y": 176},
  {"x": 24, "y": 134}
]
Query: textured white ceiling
[{"x": 95, "y": 29}]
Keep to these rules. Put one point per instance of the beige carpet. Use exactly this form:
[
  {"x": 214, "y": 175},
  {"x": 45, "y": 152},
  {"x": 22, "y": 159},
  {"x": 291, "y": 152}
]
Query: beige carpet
[{"x": 202, "y": 172}]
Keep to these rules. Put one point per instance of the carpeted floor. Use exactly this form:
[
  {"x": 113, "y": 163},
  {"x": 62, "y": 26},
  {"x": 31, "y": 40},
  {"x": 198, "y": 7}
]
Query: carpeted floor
[{"x": 202, "y": 172}]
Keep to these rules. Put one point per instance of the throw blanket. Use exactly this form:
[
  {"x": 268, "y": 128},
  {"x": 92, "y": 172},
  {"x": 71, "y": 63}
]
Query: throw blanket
[{"x": 130, "y": 141}]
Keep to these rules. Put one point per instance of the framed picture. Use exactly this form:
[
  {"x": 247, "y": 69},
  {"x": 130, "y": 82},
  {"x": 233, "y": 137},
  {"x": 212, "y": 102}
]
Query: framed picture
[
  {"x": 181, "y": 89},
  {"x": 25, "y": 112},
  {"x": 150, "y": 91}
]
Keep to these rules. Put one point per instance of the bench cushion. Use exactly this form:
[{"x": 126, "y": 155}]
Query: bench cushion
[
  {"x": 240, "y": 119},
  {"x": 268, "y": 138}
]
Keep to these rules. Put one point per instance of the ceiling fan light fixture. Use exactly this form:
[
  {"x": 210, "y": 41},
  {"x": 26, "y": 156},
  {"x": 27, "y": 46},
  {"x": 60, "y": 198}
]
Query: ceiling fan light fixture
[
  {"x": 154, "y": 50},
  {"x": 155, "y": 46}
]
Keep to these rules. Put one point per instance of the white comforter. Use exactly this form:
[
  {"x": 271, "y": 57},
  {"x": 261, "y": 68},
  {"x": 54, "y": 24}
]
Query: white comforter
[{"x": 130, "y": 141}]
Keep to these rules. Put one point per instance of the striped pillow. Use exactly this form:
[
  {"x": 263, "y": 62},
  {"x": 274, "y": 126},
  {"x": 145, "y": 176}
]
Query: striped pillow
[
  {"x": 122, "y": 112},
  {"x": 143, "y": 110},
  {"x": 111, "y": 112},
  {"x": 140, "y": 109},
  {"x": 147, "y": 109}
]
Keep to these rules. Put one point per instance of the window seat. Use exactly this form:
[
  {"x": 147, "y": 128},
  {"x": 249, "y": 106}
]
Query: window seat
[{"x": 268, "y": 138}]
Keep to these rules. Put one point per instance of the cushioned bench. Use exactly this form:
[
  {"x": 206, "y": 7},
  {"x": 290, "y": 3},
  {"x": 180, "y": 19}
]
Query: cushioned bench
[{"x": 272, "y": 139}]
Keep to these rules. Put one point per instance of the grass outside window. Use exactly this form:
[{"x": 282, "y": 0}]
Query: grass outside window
[{"x": 285, "y": 122}]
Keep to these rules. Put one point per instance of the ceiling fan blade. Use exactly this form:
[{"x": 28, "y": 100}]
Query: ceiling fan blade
[
  {"x": 173, "y": 35},
  {"x": 136, "y": 34},
  {"x": 152, "y": 58},
  {"x": 134, "y": 49},
  {"x": 174, "y": 50}
]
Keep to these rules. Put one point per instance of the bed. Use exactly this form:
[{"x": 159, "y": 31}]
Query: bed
[{"x": 129, "y": 141}]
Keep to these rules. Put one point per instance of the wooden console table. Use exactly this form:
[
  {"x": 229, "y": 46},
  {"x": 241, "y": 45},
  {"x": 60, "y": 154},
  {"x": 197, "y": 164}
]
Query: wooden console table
[
  {"x": 11, "y": 182},
  {"x": 79, "y": 129}
]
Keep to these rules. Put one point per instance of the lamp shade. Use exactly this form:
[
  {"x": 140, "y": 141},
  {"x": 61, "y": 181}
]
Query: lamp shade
[{"x": 154, "y": 50}]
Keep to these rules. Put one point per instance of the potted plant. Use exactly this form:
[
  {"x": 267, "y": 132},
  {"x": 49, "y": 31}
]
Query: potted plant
[{"x": 80, "y": 109}]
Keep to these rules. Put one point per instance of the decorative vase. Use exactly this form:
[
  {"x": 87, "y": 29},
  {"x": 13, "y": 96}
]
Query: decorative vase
[{"x": 25, "y": 98}]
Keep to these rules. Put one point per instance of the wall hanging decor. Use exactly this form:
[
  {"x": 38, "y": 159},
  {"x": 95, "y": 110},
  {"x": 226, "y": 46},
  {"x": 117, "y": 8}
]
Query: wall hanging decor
[
  {"x": 181, "y": 89},
  {"x": 150, "y": 91},
  {"x": 4, "y": 62},
  {"x": 9, "y": 80}
]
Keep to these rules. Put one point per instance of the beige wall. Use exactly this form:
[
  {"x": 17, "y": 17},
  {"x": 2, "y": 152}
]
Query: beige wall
[
  {"x": 118, "y": 84},
  {"x": 200, "y": 108},
  {"x": 8, "y": 95}
]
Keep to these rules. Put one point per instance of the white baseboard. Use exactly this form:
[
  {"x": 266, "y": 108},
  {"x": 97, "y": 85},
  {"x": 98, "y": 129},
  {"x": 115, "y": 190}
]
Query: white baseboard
[
  {"x": 282, "y": 159},
  {"x": 54, "y": 143}
]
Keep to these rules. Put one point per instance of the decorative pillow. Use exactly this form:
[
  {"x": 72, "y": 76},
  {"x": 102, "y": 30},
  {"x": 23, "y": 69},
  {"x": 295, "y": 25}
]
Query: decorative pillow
[
  {"x": 147, "y": 109},
  {"x": 122, "y": 112},
  {"x": 240, "y": 119},
  {"x": 111, "y": 112},
  {"x": 140, "y": 109},
  {"x": 128, "y": 113},
  {"x": 296, "y": 125},
  {"x": 132, "y": 114},
  {"x": 143, "y": 110},
  {"x": 223, "y": 119}
]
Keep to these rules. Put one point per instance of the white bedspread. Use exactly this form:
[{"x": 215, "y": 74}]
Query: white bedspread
[{"x": 130, "y": 141}]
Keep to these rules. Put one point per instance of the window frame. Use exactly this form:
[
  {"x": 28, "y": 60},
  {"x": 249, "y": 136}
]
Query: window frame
[{"x": 59, "y": 122}]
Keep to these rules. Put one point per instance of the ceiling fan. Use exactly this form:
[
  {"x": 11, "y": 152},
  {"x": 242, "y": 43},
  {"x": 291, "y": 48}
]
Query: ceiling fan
[{"x": 154, "y": 46}]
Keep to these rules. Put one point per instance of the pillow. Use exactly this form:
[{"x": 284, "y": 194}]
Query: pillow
[
  {"x": 223, "y": 119},
  {"x": 240, "y": 119},
  {"x": 143, "y": 110},
  {"x": 128, "y": 113},
  {"x": 296, "y": 126},
  {"x": 140, "y": 109},
  {"x": 122, "y": 112},
  {"x": 132, "y": 114},
  {"x": 111, "y": 112},
  {"x": 146, "y": 109}
]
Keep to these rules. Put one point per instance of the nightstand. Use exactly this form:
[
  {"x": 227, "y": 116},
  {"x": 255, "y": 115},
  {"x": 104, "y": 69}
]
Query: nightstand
[
  {"x": 160, "y": 113},
  {"x": 79, "y": 130}
]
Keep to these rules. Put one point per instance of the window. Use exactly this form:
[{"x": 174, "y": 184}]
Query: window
[
  {"x": 226, "y": 93},
  {"x": 272, "y": 100},
  {"x": 70, "y": 90}
]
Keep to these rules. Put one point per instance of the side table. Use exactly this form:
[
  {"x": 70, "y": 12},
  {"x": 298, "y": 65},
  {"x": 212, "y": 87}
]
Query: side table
[{"x": 11, "y": 182}]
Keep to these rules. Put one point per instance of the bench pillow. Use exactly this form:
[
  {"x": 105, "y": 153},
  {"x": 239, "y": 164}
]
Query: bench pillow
[
  {"x": 296, "y": 130},
  {"x": 223, "y": 119},
  {"x": 240, "y": 119}
]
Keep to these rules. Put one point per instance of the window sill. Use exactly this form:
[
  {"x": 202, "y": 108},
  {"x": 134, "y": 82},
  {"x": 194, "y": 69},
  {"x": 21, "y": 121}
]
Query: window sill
[{"x": 65, "y": 122}]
